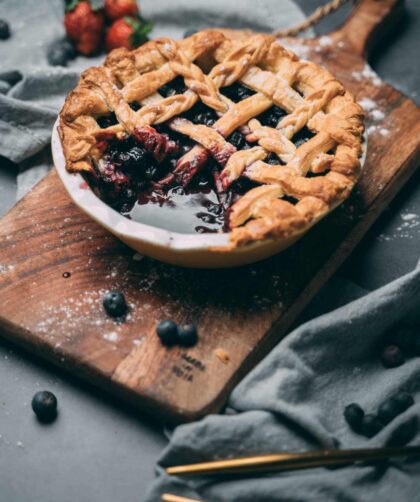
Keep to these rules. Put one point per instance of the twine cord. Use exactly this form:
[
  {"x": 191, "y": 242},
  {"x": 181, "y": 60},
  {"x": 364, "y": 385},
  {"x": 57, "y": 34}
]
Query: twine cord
[{"x": 313, "y": 19}]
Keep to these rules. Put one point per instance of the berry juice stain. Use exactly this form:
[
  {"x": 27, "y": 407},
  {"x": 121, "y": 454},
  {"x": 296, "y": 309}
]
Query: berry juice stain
[{"x": 181, "y": 210}]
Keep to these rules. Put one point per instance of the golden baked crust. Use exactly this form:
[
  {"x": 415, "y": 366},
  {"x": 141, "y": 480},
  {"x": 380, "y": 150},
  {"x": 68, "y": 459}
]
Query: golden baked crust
[{"x": 319, "y": 174}]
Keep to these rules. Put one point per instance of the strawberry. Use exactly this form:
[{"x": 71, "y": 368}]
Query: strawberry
[
  {"x": 115, "y": 9},
  {"x": 129, "y": 32},
  {"x": 84, "y": 26}
]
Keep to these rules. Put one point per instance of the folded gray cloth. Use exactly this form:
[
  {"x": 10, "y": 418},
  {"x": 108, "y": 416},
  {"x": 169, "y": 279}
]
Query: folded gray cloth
[
  {"x": 294, "y": 400},
  {"x": 29, "y": 108}
]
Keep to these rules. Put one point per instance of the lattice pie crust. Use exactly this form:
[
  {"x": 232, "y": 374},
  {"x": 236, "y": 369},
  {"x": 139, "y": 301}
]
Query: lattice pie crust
[{"x": 315, "y": 177}]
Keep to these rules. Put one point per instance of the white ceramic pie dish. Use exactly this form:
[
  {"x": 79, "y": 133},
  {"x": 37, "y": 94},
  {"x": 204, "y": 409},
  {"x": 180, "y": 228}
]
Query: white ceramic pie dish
[{"x": 187, "y": 250}]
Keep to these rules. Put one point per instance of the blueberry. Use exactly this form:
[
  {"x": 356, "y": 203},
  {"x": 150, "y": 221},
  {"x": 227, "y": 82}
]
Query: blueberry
[
  {"x": 392, "y": 356},
  {"x": 404, "y": 400},
  {"x": 404, "y": 433},
  {"x": 167, "y": 331},
  {"x": 69, "y": 48},
  {"x": 353, "y": 413},
  {"x": 44, "y": 404},
  {"x": 388, "y": 410},
  {"x": 189, "y": 33},
  {"x": 237, "y": 92},
  {"x": 114, "y": 303},
  {"x": 57, "y": 56},
  {"x": 187, "y": 335},
  {"x": 371, "y": 425},
  {"x": 4, "y": 30}
]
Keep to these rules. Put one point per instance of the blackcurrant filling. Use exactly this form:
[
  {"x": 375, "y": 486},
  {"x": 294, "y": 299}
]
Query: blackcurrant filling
[{"x": 136, "y": 177}]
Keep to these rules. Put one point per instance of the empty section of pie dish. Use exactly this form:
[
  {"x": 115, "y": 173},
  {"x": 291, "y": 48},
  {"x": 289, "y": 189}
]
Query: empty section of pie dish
[{"x": 271, "y": 178}]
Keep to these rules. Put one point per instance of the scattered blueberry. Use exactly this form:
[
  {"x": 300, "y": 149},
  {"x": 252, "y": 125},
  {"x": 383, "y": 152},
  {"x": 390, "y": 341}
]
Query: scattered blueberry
[
  {"x": 189, "y": 33},
  {"x": 114, "y": 303},
  {"x": 392, "y": 356},
  {"x": 404, "y": 433},
  {"x": 167, "y": 331},
  {"x": 44, "y": 404},
  {"x": 4, "y": 30},
  {"x": 187, "y": 335},
  {"x": 371, "y": 425},
  {"x": 68, "y": 47},
  {"x": 404, "y": 400},
  {"x": 353, "y": 413},
  {"x": 388, "y": 410},
  {"x": 57, "y": 56}
]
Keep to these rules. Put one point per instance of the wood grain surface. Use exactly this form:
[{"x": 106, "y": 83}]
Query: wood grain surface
[{"x": 55, "y": 265}]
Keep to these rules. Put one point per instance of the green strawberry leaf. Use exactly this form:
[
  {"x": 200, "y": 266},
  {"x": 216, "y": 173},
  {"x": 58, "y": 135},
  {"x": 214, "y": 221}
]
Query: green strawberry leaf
[
  {"x": 141, "y": 28},
  {"x": 70, "y": 5}
]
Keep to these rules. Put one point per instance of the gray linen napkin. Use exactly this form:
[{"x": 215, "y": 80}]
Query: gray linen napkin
[
  {"x": 28, "y": 108},
  {"x": 294, "y": 399}
]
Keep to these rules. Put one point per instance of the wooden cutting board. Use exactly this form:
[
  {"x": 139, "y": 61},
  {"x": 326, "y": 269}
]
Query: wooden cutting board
[{"x": 55, "y": 265}]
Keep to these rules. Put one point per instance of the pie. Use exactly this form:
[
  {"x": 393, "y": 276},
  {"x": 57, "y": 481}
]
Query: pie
[{"x": 227, "y": 129}]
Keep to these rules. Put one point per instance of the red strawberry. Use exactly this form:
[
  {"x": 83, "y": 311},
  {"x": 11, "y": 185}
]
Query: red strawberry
[
  {"x": 115, "y": 9},
  {"x": 84, "y": 25},
  {"x": 129, "y": 32}
]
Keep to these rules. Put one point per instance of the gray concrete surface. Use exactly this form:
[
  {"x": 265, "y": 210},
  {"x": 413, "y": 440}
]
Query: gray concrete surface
[{"x": 101, "y": 450}]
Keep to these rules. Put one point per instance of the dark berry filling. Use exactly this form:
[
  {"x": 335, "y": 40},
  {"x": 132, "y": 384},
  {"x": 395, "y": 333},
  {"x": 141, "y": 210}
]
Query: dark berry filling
[
  {"x": 138, "y": 175},
  {"x": 302, "y": 136},
  {"x": 272, "y": 116},
  {"x": 175, "y": 86},
  {"x": 107, "y": 120},
  {"x": 201, "y": 114},
  {"x": 237, "y": 92}
]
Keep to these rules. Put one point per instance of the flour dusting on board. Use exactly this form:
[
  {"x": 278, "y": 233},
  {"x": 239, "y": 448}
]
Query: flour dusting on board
[
  {"x": 6, "y": 268},
  {"x": 408, "y": 229},
  {"x": 366, "y": 73},
  {"x": 375, "y": 115}
]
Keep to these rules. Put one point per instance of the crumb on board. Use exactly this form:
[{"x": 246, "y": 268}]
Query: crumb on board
[{"x": 222, "y": 355}]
